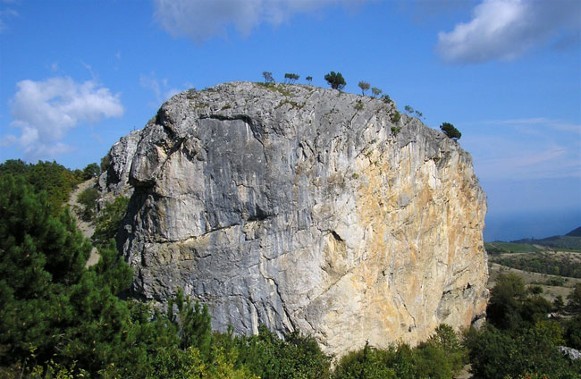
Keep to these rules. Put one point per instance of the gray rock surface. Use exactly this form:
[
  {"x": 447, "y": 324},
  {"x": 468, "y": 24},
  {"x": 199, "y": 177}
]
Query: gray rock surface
[
  {"x": 303, "y": 208},
  {"x": 569, "y": 352}
]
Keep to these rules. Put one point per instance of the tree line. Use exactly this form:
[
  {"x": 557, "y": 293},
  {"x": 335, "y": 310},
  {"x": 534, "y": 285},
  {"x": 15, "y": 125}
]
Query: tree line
[{"x": 336, "y": 81}]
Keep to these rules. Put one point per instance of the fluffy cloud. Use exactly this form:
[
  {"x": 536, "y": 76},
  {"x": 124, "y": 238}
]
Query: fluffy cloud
[
  {"x": 505, "y": 29},
  {"x": 202, "y": 19},
  {"x": 45, "y": 111}
]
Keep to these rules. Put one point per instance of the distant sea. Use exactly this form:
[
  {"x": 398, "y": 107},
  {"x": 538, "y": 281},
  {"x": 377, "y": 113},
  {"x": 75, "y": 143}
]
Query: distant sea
[{"x": 532, "y": 224}]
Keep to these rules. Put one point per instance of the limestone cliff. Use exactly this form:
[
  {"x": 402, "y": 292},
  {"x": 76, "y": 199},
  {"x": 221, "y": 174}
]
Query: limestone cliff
[{"x": 303, "y": 208}]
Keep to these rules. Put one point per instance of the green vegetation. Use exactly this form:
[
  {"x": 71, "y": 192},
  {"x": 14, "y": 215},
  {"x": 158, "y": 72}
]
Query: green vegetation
[
  {"x": 108, "y": 221},
  {"x": 291, "y": 78},
  {"x": 532, "y": 258},
  {"x": 570, "y": 241},
  {"x": 88, "y": 203},
  {"x": 91, "y": 171},
  {"x": 451, "y": 131},
  {"x": 335, "y": 80},
  {"x": 50, "y": 304},
  {"x": 376, "y": 92},
  {"x": 57, "y": 181},
  {"x": 441, "y": 356},
  {"x": 386, "y": 99},
  {"x": 544, "y": 263},
  {"x": 575, "y": 299},
  {"x": 509, "y": 247},
  {"x": 268, "y": 79},
  {"x": 268, "y": 356},
  {"x": 364, "y": 87},
  {"x": 519, "y": 340}
]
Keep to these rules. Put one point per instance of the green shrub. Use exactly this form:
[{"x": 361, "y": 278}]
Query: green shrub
[
  {"x": 109, "y": 220},
  {"x": 442, "y": 356},
  {"x": 451, "y": 131},
  {"x": 88, "y": 201},
  {"x": 533, "y": 350},
  {"x": 295, "y": 356},
  {"x": 335, "y": 80}
]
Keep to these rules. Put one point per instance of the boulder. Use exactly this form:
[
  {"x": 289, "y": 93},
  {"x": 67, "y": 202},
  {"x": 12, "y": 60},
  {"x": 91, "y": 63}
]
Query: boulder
[{"x": 305, "y": 209}]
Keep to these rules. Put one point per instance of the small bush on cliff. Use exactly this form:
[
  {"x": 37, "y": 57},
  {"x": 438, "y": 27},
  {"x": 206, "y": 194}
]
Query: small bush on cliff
[
  {"x": 268, "y": 78},
  {"x": 290, "y": 78},
  {"x": 109, "y": 220},
  {"x": 335, "y": 80},
  {"x": 364, "y": 87},
  {"x": 451, "y": 131}
]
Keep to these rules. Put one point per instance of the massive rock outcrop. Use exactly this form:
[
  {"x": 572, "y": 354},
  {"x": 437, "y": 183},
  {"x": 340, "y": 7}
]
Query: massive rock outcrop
[{"x": 303, "y": 208}]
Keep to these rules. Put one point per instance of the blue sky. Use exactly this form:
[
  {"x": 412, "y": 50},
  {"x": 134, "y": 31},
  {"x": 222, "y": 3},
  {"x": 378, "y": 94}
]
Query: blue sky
[{"x": 75, "y": 76}]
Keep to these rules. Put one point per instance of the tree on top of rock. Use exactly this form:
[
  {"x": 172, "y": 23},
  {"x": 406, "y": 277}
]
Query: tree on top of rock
[
  {"x": 364, "y": 87},
  {"x": 451, "y": 131},
  {"x": 290, "y": 78},
  {"x": 335, "y": 80},
  {"x": 268, "y": 79}
]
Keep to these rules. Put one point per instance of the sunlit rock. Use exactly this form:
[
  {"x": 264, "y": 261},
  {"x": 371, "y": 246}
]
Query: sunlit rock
[{"x": 304, "y": 208}]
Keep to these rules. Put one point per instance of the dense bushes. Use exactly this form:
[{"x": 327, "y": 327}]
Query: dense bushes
[
  {"x": 530, "y": 350},
  {"x": 440, "y": 357},
  {"x": 519, "y": 339},
  {"x": 56, "y": 180}
]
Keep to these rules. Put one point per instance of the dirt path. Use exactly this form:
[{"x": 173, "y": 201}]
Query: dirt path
[{"x": 87, "y": 228}]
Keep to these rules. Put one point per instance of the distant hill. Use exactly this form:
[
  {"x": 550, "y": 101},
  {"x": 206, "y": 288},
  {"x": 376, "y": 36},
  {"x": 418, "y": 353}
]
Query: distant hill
[
  {"x": 574, "y": 233},
  {"x": 569, "y": 241}
]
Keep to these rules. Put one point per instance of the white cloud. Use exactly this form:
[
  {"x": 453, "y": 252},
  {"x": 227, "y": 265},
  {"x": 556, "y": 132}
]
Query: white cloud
[
  {"x": 528, "y": 148},
  {"x": 202, "y": 19},
  {"x": 45, "y": 111},
  {"x": 505, "y": 29}
]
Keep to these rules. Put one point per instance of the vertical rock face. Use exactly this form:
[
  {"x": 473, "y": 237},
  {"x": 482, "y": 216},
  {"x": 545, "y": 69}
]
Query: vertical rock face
[{"x": 304, "y": 208}]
